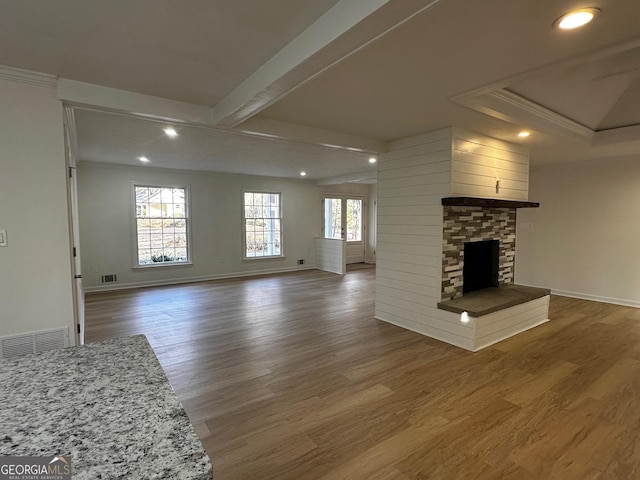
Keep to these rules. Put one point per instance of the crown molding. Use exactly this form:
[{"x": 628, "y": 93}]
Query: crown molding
[
  {"x": 514, "y": 101},
  {"x": 27, "y": 76},
  {"x": 511, "y": 107},
  {"x": 498, "y": 101},
  {"x": 611, "y": 136}
]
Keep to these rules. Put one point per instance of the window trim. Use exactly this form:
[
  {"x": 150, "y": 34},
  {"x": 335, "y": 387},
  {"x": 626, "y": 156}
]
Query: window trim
[
  {"x": 134, "y": 224},
  {"x": 244, "y": 226}
]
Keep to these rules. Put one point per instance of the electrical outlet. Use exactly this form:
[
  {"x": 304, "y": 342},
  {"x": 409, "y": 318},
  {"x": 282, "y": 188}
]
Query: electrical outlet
[
  {"x": 301, "y": 261},
  {"x": 526, "y": 226},
  {"x": 3, "y": 238}
]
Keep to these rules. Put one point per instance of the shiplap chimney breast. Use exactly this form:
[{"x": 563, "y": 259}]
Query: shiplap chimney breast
[{"x": 413, "y": 177}]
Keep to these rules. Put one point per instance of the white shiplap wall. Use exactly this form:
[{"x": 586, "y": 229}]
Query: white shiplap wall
[
  {"x": 503, "y": 324},
  {"x": 478, "y": 161},
  {"x": 331, "y": 255},
  {"x": 413, "y": 177}
]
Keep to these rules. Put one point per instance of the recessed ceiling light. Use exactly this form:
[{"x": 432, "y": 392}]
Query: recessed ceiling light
[
  {"x": 524, "y": 134},
  {"x": 143, "y": 159},
  {"x": 302, "y": 174},
  {"x": 373, "y": 160},
  {"x": 171, "y": 132},
  {"x": 576, "y": 18}
]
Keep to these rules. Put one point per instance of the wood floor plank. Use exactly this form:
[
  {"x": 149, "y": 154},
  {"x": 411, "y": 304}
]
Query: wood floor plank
[{"x": 290, "y": 376}]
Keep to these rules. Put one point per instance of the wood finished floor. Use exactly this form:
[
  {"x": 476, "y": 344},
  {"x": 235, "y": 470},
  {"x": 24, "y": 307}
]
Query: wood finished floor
[{"x": 290, "y": 377}]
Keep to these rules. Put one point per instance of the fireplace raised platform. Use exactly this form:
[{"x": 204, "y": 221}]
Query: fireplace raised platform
[{"x": 490, "y": 300}]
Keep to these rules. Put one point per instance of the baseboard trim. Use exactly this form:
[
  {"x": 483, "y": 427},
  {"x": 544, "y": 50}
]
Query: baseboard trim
[
  {"x": 597, "y": 298},
  {"x": 203, "y": 278},
  {"x": 594, "y": 298}
]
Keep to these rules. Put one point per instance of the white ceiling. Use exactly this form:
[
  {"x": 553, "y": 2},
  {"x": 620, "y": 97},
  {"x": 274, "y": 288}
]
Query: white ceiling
[
  {"x": 194, "y": 51},
  {"x": 121, "y": 139},
  {"x": 266, "y": 86}
]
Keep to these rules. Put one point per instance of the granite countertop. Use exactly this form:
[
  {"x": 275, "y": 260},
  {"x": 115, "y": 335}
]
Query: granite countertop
[{"x": 108, "y": 406}]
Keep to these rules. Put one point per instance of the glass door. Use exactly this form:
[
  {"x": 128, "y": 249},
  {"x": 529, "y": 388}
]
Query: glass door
[
  {"x": 333, "y": 218},
  {"x": 344, "y": 218}
]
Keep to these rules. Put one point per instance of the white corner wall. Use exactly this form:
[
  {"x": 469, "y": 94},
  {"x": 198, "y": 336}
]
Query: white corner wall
[
  {"x": 412, "y": 179},
  {"x": 585, "y": 238},
  {"x": 106, "y": 225},
  {"x": 331, "y": 255},
  {"x": 35, "y": 285}
]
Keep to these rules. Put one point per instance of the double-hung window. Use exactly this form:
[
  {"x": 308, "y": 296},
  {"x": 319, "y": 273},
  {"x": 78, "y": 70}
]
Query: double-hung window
[
  {"x": 262, "y": 212},
  {"x": 161, "y": 223}
]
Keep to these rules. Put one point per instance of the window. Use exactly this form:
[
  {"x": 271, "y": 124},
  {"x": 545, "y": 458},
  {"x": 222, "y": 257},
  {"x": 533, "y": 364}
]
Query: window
[
  {"x": 161, "y": 225},
  {"x": 262, "y": 225}
]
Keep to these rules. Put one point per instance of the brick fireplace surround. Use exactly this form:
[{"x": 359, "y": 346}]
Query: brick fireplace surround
[{"x": 473, "y": 224}]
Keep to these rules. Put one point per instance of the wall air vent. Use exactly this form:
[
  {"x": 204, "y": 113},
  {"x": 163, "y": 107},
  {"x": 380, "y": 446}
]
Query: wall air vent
[
  {"x": 35, "y": 342},
  {"x": 111, "y": 278}
]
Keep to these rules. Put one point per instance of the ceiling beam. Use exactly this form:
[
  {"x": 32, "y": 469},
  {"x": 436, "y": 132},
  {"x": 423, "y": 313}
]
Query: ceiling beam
[
  {"x": 76, "y": 94},
  {"x": 81, "y": 94},
  {"x": 267, "y": 127},
  {"x": 369, "y": 177},
  {"x": 347, "y": 27}
]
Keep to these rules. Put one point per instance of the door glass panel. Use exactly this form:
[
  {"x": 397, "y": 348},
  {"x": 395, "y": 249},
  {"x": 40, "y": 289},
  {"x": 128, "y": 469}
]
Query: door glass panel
[
  {"x": 354, "y": 220},
  {"x": 333, "y": 218}
]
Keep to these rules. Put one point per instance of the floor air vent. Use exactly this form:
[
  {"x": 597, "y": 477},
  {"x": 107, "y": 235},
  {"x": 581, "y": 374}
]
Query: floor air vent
[
  {"x": 16, "y": 345},
  {"x": 112, "y": 278}
]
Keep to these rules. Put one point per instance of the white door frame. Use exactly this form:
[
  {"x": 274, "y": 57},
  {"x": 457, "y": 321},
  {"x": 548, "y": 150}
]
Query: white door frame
[{"x": 74, "y": 226}]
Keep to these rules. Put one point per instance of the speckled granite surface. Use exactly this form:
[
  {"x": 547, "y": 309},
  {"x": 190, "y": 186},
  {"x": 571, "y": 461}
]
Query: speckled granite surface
[{"x": 107, "y": 405}]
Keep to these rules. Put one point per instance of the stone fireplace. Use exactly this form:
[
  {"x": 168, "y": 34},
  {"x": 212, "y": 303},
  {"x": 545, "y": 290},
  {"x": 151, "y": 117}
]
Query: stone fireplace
[
  {"x": 470, "y": 224},
  {"x": 437, "y": 192},
  {"x": 478, "y": 256}
]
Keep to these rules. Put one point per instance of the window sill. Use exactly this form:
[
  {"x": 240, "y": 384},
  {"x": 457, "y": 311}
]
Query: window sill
[
  {"x": 271, "y": 257},
  {"x": 162, "y": 265}
]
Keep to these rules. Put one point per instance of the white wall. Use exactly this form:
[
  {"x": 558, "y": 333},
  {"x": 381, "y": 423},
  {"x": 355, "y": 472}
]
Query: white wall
[
  {"x": 585, "y": 240},
  {"x": 35, "y": 285},
  {"x": 331, "y": 255},
  {"x": 413, "y": 176},
  {"x": 106, "y": 225}
]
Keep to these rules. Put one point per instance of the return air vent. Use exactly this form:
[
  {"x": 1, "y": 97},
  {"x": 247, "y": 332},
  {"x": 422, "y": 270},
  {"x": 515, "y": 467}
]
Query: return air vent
[
  {"x": 16, "y": 345},
  {"x": 111, "y": 278}
]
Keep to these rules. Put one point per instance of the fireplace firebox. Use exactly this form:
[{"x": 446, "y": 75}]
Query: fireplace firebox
[{"x": 481, "y": 265}]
